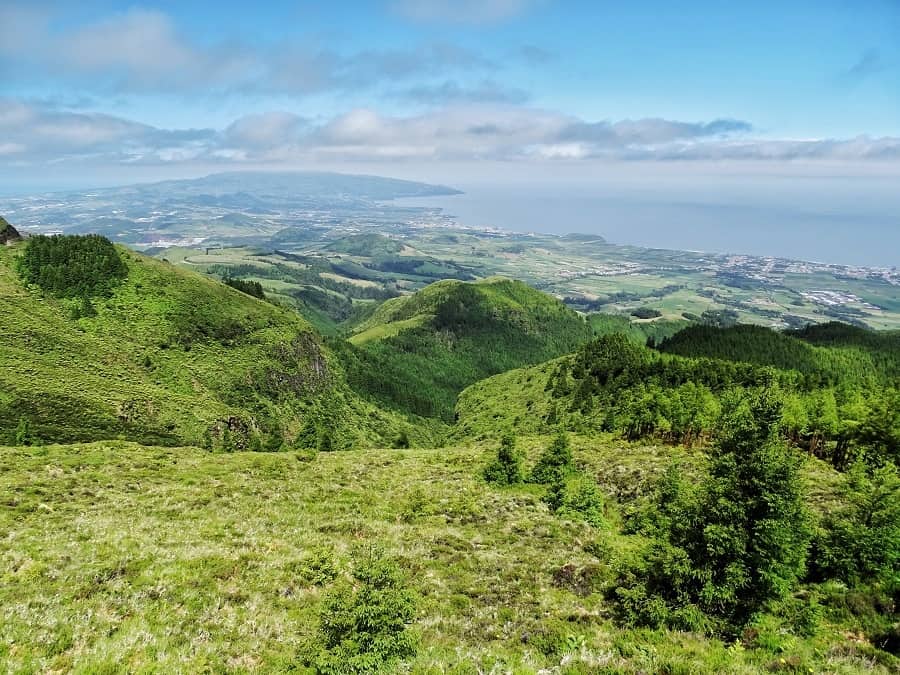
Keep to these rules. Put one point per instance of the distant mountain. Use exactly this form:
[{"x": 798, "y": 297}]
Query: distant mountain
[
  {"x": 417, "y": 352},
  {"x": 167, "y": 356},
  {"x": 314, "y": 183}
]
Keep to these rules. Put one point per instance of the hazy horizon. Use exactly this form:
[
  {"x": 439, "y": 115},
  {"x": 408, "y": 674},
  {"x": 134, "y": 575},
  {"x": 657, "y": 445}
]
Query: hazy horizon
[{"x": 727, "y": 123}]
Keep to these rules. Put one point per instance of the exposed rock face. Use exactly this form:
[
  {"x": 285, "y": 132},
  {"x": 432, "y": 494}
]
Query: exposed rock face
[{"x": 7, "y": 232}]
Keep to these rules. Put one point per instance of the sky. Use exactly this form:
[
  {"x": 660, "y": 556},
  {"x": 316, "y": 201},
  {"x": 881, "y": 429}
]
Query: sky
[{"x": 456, "y": 91}]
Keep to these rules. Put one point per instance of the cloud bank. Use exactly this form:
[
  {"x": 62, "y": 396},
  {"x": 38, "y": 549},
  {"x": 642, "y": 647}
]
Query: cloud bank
[{"x": 33, "y": 133}]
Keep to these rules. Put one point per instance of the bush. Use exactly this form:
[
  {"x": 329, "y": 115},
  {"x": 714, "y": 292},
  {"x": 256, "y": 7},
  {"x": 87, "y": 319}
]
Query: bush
[
  {"x": 555, "y": 460},
  {"x": 860, "y": 542},
  {"x": 581, "y": 499},
  {"x": 23, "y": 432},
  {"x": 365, "y": 623},
  {"x": 646, "y": 313},
  {"x": 315, "y": 568},
  {"x": 507, "y": 468}
]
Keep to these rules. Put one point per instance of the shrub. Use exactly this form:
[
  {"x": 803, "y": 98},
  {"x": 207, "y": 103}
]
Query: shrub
[
  {"x": 23, "y": 432},
  {"x": 315, "y": 568},
  {"x": 507, "y": 468},
  {"x": 646, "y": 313},
  {"x": 860, "y": 542},
  {"x": 365, "y": 623},
  {"x": 581, "y": 499}
]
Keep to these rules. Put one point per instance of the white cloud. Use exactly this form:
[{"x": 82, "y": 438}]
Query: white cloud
[
  {"x": 461, "y": 11},
  {"x": 39, "y": 133},
  {"x": 142, "y": 51}
]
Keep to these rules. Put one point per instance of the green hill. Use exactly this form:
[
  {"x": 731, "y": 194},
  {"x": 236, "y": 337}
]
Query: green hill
[
  {"x": 160, "y": 355},
  {"x": 417, "y": 352},
  {"x": 370, "y": 244},
  {"x": 836, "y": 405}
]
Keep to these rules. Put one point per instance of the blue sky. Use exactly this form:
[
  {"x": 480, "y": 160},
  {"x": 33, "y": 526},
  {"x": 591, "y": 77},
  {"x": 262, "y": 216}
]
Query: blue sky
[{"x": 110, "y": 91}]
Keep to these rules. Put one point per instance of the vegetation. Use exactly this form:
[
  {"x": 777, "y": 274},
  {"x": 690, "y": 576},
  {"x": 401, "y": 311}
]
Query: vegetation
[
  {"x": 723, "y": 498},
  {"x": 416, "y": 353},
  {"x": 246, "y": 549},
  {"x": 80, "y": 266},
  {"x": 364, "y": 623},
  {"x": 646, "y": 313},
  {"x": 253, "y": 288},
  {"x": 721, "y": 553},
  {"x": 506, "y": 469},
  {"x": 835, "y": 408},
  {"x": 165, "y": 357}
]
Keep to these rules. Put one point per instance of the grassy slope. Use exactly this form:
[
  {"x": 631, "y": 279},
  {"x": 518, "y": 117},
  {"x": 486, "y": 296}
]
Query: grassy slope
[
  {"x": 419, "y": 351},
  {"x": 128, "y": 372},
  {"x": 120, "y": 557}
]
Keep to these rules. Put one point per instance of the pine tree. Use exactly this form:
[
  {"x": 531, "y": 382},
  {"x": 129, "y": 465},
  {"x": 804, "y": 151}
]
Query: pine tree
[
  {"x": 506, "y": 469},
  {"x": 555, "y": 459}
]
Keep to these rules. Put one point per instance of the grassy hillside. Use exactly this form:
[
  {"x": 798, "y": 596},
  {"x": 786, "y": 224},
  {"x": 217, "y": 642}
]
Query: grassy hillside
[
  {"x": 417, "y": 352},
  {"x": 121, "y": 557},
  {"x": 171, "y": 357}
]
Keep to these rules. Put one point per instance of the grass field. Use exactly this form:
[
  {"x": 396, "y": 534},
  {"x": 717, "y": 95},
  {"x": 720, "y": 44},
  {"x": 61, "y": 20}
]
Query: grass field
[{"x": 116, "y": 557}]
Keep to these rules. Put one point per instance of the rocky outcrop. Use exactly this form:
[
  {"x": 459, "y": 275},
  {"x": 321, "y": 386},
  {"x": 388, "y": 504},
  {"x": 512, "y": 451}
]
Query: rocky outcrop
[{"x": 7, "y": 232}]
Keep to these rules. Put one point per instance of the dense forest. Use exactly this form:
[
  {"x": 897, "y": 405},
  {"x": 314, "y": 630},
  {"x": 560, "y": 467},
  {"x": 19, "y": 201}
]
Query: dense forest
[
  {"x": 72, "y": 266},
  {"x": 839, "y": 407}
]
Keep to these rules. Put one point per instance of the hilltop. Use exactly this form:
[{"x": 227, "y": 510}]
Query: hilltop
[
  {"x": 417, "y": 352},
  {"x": 162, "y": 355}
]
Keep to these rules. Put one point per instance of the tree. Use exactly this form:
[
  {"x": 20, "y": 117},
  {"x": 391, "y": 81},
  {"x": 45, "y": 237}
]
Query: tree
[
  {"x": 719, "y": 556},
  {"x": 308, "y": 436},
  {"x": 860, "y": 542},
  {"x": 365, "y": 623},
  {"x": 326, "y": 440},
  {"x": 506, "y": 469},
  {"x": 23, "y": 432},
  {"x": 556, "y": 458},
  {"x": 756, "y": 529}
]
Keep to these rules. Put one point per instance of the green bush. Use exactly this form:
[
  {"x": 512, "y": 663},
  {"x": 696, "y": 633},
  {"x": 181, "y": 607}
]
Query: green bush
[
  {"x": 506, "y": 469},
  {"x": 860, "y": 542},
  {"x": 582, "y": 499},
  {"x": 364, "y": 623}
]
